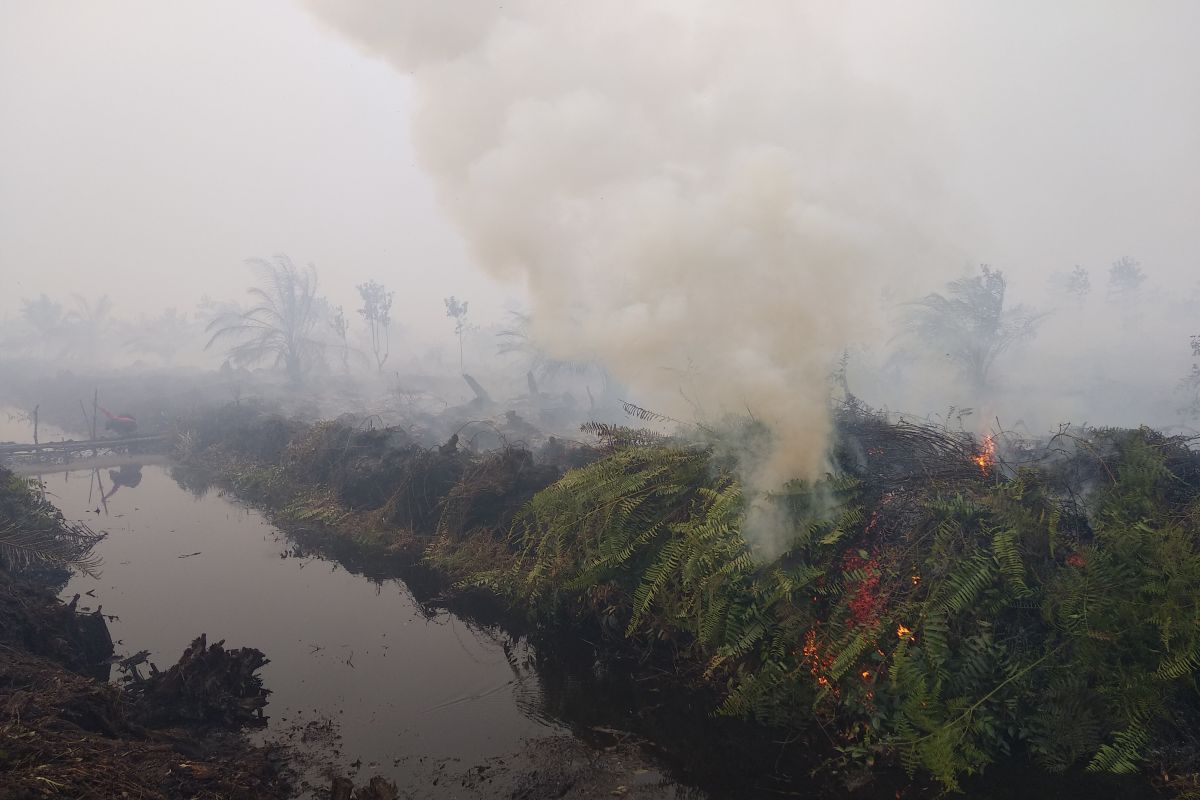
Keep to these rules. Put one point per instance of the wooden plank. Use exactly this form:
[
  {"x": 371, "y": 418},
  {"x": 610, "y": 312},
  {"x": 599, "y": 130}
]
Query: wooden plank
[
  {"x": 72, "y": 445},
  {"x": 63, "y": 462}
]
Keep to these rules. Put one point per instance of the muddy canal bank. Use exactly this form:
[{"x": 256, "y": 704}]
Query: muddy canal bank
[
  {"x": 365, "y": 678},
  {"x": 67, "y": 731},
  {"x": 393, "y": 680}
]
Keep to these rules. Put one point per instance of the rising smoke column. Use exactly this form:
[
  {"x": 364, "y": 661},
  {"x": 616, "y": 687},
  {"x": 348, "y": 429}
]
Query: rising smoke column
[{"x": 700, "y": 195}]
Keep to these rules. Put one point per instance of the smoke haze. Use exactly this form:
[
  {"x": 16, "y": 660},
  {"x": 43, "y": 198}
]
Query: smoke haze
[
  {"x": 149, "y": 148},
  {"x": 708, "y": 202},
  {"x": 713, "y": 200}
]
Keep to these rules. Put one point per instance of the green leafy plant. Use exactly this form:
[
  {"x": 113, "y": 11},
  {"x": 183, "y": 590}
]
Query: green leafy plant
[{"x": 946, "y": 622}]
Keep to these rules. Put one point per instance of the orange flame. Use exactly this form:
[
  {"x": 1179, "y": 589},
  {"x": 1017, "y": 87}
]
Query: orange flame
[{"x": 987, "y": 456}]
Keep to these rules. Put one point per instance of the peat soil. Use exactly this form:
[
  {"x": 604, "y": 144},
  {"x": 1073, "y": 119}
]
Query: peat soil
[{"x": 66, "y": 731}]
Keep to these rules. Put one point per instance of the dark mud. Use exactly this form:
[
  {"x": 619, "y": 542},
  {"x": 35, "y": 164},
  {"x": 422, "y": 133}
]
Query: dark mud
[
  {"x": 567, "y": 767},
  {"x": 64, "y": 732},
  {"x": 31, "y": 622}
]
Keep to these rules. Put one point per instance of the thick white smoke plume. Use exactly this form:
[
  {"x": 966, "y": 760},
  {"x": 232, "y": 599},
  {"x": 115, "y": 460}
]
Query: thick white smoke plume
[{"x": 703, "y": 196}]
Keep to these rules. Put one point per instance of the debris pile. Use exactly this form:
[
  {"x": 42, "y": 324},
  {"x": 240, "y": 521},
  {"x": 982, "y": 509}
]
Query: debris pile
[
  {"x": 66, "y": 734},
  {"x": 209, "y": 685}
]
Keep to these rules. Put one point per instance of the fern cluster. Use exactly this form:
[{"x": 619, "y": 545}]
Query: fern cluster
[{"x": 948, "y": 623}]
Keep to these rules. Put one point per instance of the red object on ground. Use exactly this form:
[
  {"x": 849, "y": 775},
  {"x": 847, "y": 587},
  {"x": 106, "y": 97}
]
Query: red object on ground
[
  {"x": 123, "y": 423},
  {"x": 117, "y": 418}
]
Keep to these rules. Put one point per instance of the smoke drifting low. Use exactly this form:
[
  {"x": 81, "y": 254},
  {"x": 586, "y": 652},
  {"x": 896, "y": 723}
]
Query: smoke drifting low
[
  {"x": 705, "y": 198},
  {"x": 715, "y": 199}
]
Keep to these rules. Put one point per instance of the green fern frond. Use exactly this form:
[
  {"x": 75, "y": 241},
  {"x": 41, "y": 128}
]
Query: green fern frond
[
  {"x": 1123, "y": 754},
  {"x": 966, "y": 583},
  {"x": 1004, "y": 547},
  {"x": 1185, "y": 662}
]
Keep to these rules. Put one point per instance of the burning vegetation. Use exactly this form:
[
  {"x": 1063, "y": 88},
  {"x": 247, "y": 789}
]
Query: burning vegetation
[
  {"x": 936, "y": 605},
  {"x": 762, "y": 191},
  {"x": 987, "y": 454}
]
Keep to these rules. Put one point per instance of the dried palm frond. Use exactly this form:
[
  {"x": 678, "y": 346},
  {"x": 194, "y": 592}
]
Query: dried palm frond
[
  {"x": 33, "y": 531},
  {"x": 615, "y": 437},
  {"x": 646, "y": 415},
  {"x": 68, "y": 546}
]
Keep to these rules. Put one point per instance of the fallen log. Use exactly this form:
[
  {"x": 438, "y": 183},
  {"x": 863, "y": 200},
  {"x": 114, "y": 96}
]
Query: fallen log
[{"x": 74, "y": 445}]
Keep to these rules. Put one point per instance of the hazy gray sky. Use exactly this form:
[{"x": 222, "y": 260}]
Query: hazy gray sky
[
  {"x": 1070, "y": 126},
  {"x": 148, "y": 147}
]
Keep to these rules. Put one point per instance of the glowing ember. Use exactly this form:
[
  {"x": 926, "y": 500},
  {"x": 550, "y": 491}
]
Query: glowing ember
[{"x": 987, "y": 456}]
